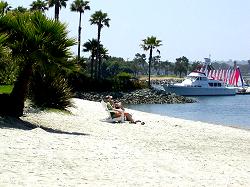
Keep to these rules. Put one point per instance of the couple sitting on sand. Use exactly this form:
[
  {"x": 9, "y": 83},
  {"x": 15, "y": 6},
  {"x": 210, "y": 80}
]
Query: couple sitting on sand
[{"x": 117, "y": 107}]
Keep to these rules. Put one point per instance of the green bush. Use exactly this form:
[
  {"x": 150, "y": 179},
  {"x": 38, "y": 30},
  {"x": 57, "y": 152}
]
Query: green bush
[
  {"x": 50, "y": 90},
  {"x": 8, "y": 70},
  {"x": 125, "y": 82}
]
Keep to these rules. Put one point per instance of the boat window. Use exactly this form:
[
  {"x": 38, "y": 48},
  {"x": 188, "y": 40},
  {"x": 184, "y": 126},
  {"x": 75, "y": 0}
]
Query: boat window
[
  {"x": 215, "y": 84},
  {"x": 211, "y": 84},
  {"x": 219, "y": 84},
  {"x": 191, "y": 78},
  {"x": 203, "y": 78}
]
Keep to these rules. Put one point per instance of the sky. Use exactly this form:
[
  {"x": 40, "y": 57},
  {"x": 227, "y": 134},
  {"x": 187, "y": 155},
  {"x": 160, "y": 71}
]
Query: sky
[{"x": 191, "y": 28}]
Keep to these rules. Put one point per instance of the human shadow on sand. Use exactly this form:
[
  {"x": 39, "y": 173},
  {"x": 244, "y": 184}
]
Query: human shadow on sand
[{"x": 10, "y": 122}]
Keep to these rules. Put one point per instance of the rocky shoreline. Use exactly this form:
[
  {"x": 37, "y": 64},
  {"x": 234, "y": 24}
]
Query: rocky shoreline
[{"x": 143, "y": 96}]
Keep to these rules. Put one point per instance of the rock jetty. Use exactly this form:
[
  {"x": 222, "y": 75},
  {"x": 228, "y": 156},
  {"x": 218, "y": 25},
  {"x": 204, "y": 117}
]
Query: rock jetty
[{"x": 143, "y": 96}]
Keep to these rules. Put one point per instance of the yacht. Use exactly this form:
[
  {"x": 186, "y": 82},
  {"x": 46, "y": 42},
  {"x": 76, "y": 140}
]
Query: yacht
[{"x": 198, "y": 84}]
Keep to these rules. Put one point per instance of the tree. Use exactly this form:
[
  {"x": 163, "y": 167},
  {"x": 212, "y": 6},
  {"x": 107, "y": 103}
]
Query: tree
[
  {"x": 79, "y": 6},
  {"x": 20, "y": 9},
  {"x": 195, "y": 66},
  {"x": 140, "y": 61},
  {"x": 181, "y": 65},
  {"x": 34, "y": 39},
  {"x": 100, "y": 19},
  {"x": 150, "y": 43},
  {"x": 167, "y": 66},
  {"x": 39, "y": 5},
  {"x": 91, "y": 46},
  {"x": 58, "y": 5},
  {"x": 156, "y": 64},
  {"x": 4, "y": 7}
]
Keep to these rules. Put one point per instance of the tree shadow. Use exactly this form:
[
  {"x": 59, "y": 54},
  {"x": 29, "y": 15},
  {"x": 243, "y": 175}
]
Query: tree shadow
[{"x": 16, "y": 123}]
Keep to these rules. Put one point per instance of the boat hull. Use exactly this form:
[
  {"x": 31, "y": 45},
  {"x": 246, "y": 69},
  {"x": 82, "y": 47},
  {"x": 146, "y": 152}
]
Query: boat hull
[{"x": 199, "y": 91}]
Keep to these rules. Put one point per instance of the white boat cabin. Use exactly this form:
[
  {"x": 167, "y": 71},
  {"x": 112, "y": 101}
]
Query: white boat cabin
[{"x": 198, "y": 79}]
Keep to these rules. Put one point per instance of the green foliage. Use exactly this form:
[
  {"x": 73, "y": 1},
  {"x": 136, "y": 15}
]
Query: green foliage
[
  {"x": 6, "y": 89},
  {"x": 34, "y": 39},
  {"x": 181, "y": 65},
  {"x": 123, "y": 81},
  {"x": 195, "y": 65},
  {"x": 8, "y": 69},
  {"x": 149, "y": 44},
  {"x": 50, "y": 90}
]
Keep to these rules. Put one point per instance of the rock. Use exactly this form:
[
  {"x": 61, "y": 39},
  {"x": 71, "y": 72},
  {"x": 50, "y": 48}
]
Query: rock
[{"x": 143, "y": 96}]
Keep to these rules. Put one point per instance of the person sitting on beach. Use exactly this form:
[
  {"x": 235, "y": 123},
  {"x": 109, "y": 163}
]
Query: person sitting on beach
[{"x": 117, "y": 107}]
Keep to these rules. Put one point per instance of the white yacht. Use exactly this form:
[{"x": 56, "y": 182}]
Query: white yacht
[{"x": 198, "y": 84}]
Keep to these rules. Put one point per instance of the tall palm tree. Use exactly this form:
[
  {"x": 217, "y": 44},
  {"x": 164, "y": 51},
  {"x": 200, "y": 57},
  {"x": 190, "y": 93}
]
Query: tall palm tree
[
  {"x": 34, "y": 39},
  {"x": 4, "y": 7},
  {"x": 58, "y": 5},
  {"x": 100, "y": 19},
  {"x": 150, "y": 43},
  {"x": 79, "y": 6},
  {"x": 39, "y": 5},
  {"x": 91, "y": 46}
]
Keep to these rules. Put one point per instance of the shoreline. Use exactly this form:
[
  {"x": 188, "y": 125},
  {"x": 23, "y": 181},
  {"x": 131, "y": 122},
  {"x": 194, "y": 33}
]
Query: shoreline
[
  {"x": 217, "y": 124},
  {"x": 87, "y": 151}
]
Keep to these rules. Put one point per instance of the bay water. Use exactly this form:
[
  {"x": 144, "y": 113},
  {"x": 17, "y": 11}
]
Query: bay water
[{"x": 222, "y": 110}]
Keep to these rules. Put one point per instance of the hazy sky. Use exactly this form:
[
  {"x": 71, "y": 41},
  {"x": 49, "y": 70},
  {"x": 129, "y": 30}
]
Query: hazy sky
[{"x": 191, "y": 28}]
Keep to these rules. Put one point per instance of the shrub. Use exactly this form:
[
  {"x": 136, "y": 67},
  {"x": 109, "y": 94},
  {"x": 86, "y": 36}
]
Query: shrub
[
  {"x": 8, "y": 70},
  {"x": 125, "y": 82},
  {"x": 50, "y": 90}
]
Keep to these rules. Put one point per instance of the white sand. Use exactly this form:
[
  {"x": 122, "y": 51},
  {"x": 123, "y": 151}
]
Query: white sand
[{"x": 164, "y": 152}]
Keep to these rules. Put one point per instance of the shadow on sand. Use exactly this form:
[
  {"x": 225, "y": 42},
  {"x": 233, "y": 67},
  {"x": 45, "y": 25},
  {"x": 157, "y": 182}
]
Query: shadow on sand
[{"x": 16, "y": 123}]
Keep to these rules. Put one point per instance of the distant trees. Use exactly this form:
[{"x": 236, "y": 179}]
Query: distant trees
[
  {"x": 100, "y": 19},
  {"x": 149, "y": 44},
  {"x": 181, "y": 65},
  {"x": 140, "y": 61},
  {"x": 20, "y": 9},
  {"x": 91, "y": 46}
]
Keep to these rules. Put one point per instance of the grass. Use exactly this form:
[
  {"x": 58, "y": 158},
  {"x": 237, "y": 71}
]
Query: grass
[
  {"x": 159, "y": 77},
  {"x": 6, "y": 89}
]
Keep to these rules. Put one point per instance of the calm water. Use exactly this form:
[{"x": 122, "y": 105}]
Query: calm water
[{"x": 224, "y": 110}]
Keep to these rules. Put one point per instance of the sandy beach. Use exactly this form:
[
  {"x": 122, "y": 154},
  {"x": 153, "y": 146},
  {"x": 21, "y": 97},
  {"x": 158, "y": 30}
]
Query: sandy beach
[{"x": 80, "y": 149}]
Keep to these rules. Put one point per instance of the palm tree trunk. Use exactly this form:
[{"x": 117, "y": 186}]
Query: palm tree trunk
[
  {"x": 149, "y": 66},
  {"x": 96, "y": 67},
  {"x": 20, "y": 91},
  {"x": 92, "y": 64},
  {"x": 98, "y": 51},
  {"x": 57, "y": 7},
  {"x": 79, "y": 37}
]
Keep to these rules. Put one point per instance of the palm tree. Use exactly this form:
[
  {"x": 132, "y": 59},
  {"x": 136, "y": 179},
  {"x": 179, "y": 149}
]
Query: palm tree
[
  {"x": 150, "y": 43},
  {"x": 58, "y": 5},
  {"x": 34, "y": 39},
  {"x": 79, "y": 6},
  {"x": 20, "y": 9},
  {"x": 104, "y": 52},
  {"x": 100, "y": 19},
  {"x": 91, "y": 46},
  {"x": 39, "y": 5},
  {"x": 4, "y": 7}
]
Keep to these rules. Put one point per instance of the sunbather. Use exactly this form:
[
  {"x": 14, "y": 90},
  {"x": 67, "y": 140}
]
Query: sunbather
[{"x": 118, "y": 109}]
